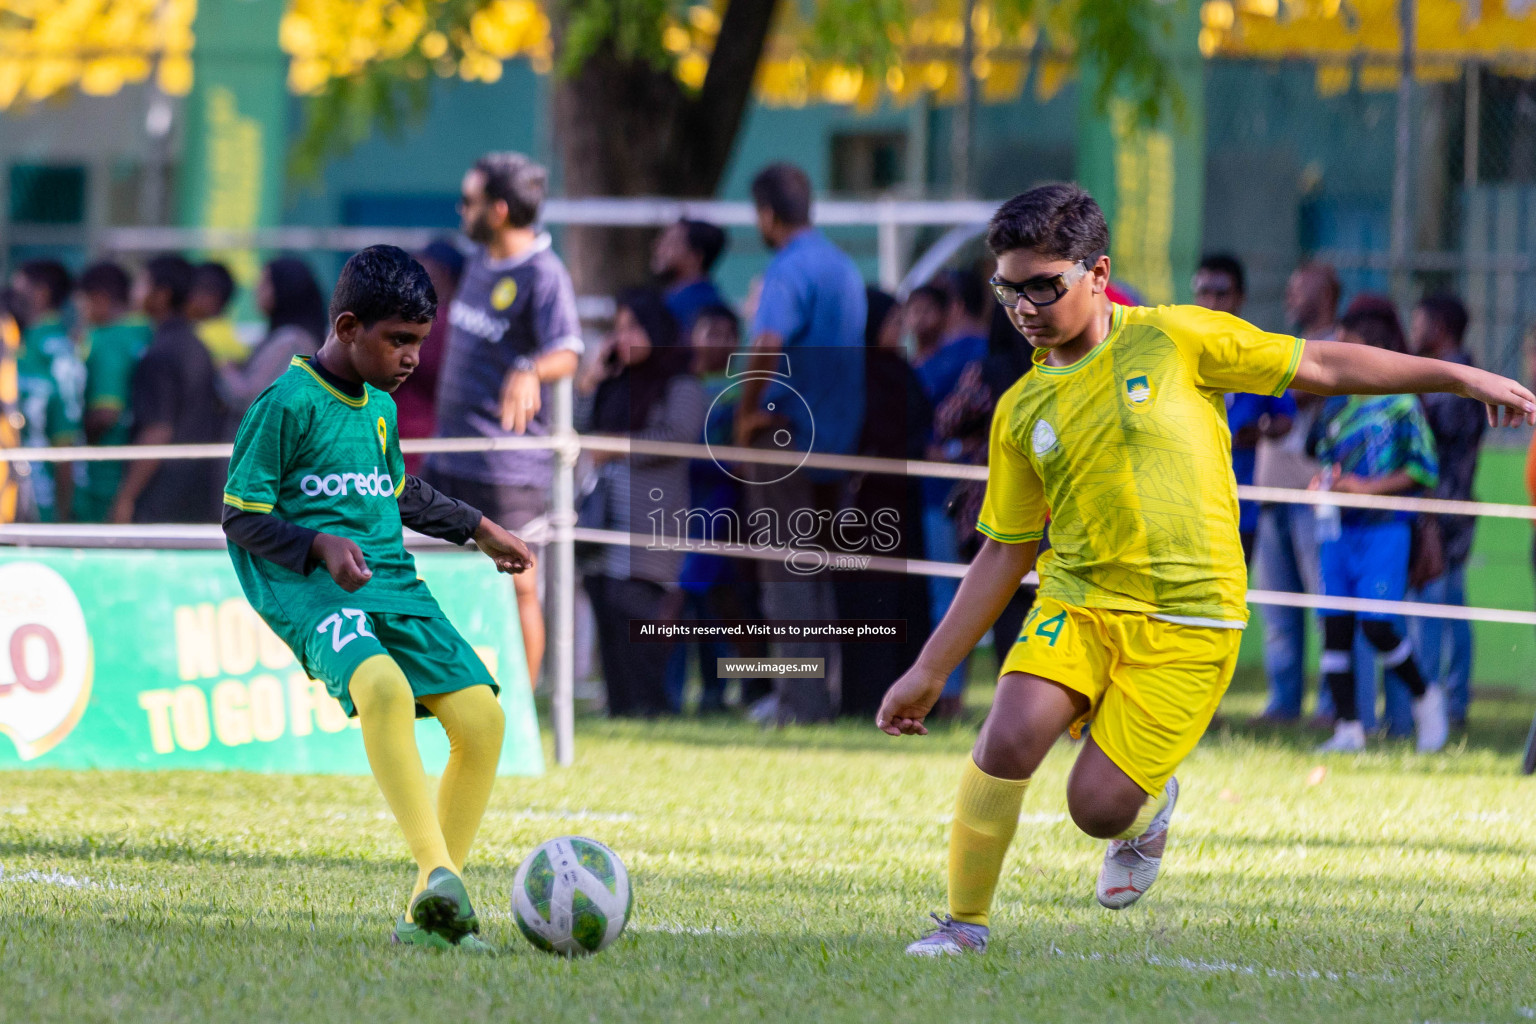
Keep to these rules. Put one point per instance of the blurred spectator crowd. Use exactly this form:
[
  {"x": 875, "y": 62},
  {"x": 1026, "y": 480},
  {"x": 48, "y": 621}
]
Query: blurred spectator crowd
[{"x": 813, "y": 358}]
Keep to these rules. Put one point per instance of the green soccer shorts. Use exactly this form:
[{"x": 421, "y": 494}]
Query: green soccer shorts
[{"x": 431, "y": 653}]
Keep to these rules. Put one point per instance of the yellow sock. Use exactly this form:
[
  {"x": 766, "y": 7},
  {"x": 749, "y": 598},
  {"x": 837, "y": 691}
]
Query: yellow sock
[
  {"x": 474, "y": 722},
  {"x": 387, "y": 711},
  {"x": 986, "y": 816},
  {"x": 1145, "y": 815}
]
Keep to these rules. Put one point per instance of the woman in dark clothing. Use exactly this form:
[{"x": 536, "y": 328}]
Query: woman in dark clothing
[
  {"x": 642, "y": 388},
  {"x": 966, "y": 416},
  {"x": 896, "y": 421}
]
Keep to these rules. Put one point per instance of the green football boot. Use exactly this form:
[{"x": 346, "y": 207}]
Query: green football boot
[
  {"x": 408, "y": 934},
  {"x": 472, "y": 943},
  {"x": 443, "y": 907}
]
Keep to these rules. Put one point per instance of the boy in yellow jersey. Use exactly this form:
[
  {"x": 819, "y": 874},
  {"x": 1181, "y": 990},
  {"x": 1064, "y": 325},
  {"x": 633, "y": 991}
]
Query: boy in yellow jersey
[{"x": 1120, "y": 436}]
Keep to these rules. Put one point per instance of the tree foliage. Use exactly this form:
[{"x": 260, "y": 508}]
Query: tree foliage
[{"x": 366, "y": 64}]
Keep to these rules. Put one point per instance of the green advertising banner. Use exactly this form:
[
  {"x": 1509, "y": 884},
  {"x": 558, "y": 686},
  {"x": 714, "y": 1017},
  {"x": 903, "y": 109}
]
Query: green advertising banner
[
  {"x": 1150, "y": 179},
  {"x": 153, "y": 659}
]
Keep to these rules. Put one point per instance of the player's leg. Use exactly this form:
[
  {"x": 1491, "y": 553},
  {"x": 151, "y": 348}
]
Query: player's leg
[
  {"x": 449, "y": 680},
  {"x": 1028, "y": 716},
  {"x": 1165, "y": 683},
  {"x": 386, "y": 709},
  {"x": 1106, "y": 803},
  {"x": 475, "y": 725}
]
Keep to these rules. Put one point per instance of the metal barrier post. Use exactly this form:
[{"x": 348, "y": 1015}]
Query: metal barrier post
[{"x": 560, "y": 583}]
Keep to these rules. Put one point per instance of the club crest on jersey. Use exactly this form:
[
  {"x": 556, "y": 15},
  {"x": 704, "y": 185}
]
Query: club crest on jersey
[
  {"x": 504, "y": 294},
  {"x": 1138, "y": 393},
  {"x": 383, "y": 433},
  {"x": 1042, "y": 438}
]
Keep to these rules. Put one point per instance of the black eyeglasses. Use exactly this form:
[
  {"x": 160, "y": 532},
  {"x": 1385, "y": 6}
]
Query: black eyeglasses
[{"x": 1041, "y": 291}]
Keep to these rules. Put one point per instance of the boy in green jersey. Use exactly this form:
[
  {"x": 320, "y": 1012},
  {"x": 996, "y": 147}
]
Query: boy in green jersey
[
  {"x": 116, "y": 336},
  {"x": 51, "y": 379},
  {"x": 317, "y": 479}
]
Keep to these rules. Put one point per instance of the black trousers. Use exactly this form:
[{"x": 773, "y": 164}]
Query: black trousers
[{"x": 634, "y": 674}]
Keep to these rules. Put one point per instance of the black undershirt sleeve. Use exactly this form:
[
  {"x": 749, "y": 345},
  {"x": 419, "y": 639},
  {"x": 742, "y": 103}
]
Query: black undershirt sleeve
[
  {"x": 433, "y": 513},
  {"x": 422, "y": 508},
  {"x": 266, "y": 536}
]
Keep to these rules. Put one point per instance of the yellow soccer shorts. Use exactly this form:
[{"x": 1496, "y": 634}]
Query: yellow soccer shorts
[{"x": 1152, "y": 686}]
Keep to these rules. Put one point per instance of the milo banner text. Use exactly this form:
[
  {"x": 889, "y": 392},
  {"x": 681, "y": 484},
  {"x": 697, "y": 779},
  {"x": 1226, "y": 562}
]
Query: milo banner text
[{"x": 153, "y": 659}]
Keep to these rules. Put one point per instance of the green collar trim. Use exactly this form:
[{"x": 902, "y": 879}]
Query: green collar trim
[{"x": 1116, "y": 322}]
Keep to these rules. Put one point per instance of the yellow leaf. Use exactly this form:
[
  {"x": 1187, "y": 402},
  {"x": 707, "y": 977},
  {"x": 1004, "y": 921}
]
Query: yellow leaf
[
  {"x": 691, "y": 69},
  {"x": 433, "y": 45}
]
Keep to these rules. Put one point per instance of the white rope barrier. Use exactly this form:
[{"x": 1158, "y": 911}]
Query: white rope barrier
[
  {"x": 539, "y": 531},
  {"x": 639, "y": 211},
  {"x": 764, "y": 456}
]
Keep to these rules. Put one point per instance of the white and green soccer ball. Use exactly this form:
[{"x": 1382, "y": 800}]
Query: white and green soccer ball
[{"x": 572, "y": 896}]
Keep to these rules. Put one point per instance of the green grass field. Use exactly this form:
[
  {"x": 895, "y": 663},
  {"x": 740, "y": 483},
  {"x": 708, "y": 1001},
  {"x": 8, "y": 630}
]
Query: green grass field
[{"x": 779, "y": 874}]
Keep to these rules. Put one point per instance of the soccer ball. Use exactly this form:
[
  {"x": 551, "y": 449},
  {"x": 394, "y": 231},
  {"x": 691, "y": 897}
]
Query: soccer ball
[{"x": 572, "y": 896}]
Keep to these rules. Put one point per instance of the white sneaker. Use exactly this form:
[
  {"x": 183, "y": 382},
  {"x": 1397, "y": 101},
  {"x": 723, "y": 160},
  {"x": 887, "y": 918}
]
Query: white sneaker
[
  {"x": 1348, "y": 738},
  {"x": 1429, "y": 720},
  {"x": 1131, "y": 865}
]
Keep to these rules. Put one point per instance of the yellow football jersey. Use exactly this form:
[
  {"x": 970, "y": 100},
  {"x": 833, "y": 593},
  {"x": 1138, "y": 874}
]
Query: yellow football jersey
[{"x": 1128, "y": 452}]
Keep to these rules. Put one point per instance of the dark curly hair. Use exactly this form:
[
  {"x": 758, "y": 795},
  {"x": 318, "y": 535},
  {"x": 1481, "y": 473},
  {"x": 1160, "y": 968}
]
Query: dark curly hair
[
  {"x": 1060, "y": 221},
  {"x": 384, "y": 282}
]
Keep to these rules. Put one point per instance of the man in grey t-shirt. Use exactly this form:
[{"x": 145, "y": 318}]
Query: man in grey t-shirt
[{"x": 512, "y": 331}]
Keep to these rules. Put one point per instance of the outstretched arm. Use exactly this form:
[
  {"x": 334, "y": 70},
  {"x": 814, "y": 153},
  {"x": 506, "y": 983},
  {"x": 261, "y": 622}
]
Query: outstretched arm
[{"x": 1344, "y": 368}]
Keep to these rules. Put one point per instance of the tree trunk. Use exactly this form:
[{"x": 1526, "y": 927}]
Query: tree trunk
[{"x": 626, "y": 128}]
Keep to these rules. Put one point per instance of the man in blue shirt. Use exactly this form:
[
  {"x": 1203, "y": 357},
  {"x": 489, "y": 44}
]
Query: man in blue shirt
[
  {"x": 682, "y": 259},
  {"x": 1219, "y": 285},
  {"x": 810, "y": 316}
]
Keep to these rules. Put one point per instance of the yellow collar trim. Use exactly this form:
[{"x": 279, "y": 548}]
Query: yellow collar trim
[{"x": 356, "y": 403}]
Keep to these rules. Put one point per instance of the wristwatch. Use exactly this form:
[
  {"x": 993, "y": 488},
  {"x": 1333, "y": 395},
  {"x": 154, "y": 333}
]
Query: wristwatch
[{"x": 524, "y": 364}]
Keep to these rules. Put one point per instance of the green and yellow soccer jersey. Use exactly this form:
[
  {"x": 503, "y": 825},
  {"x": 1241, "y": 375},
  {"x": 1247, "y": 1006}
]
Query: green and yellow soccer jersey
[
  {"x": 315, "y": 456},
  {"x": 1127, "y": 452},
  {"x": 111, "y": 354},
  {"x": 51, "y": 380}
]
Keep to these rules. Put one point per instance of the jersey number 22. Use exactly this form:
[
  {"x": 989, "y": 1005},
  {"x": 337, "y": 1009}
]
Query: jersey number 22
[{"x": 337, "y": 621}]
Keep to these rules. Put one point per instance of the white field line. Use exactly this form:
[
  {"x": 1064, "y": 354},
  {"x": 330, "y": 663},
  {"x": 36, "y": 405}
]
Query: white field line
[
  {"x": 1218, "y": 966},
  {"x": 562, "y": 814},
  {"x": 55, "y": 878}
]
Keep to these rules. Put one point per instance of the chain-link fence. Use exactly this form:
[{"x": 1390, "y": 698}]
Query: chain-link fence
[{"x": 1295, "y": 171}]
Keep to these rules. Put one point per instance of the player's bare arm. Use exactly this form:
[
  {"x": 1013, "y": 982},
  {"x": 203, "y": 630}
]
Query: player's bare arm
[
  {"x": 343, "y": 559},
  {"x": 991, "y": 580},
  {"x": 1341, "y": 368},
  {"x": 504, "y": 548}
]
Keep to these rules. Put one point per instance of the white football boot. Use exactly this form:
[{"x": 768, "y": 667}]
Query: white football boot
[
  {"x": 1131, "y": 865},
  {"x": 1347, "y": 738},
  {"x": 950, "y": 938},
  {"x": 1429, "y": 720}
]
